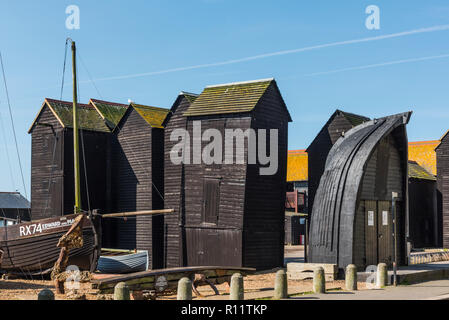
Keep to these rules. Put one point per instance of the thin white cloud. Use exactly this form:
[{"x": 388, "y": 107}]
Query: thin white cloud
[
  {"x": 376, "y": 65},
  {"x": 278, "y": 53}
]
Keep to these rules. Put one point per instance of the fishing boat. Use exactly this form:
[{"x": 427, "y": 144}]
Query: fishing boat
[{"x": 31, "y": 248}]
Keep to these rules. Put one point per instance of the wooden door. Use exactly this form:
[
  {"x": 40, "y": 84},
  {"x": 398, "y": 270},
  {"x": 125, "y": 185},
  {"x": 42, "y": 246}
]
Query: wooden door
[
  {"x": 385, "y": 236},
  {"x": 213, "y": 247},
  {"x": 371, "y": 236},
  {"x": 211, "y": 200}
]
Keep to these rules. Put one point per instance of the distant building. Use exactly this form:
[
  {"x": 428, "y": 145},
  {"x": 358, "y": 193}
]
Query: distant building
[
  {"x": 423, "y": 152},
  {"x": 423, "y": 217},
  {"x": 297, "y": 171},
  {"x": 13, "y": 208}
]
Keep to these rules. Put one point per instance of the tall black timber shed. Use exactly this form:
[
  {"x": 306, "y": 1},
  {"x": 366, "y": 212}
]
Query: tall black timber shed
[
  {"x": 52, "y": 173},
  {"x": 229, "y": 214},
  {"x": 137, "y": 180},
  {"x": 424, "y": 219},
  {"x": 339, "y": 123},
  {"x": 352, "y": 216},
  {"x": 443, "y": 185}
]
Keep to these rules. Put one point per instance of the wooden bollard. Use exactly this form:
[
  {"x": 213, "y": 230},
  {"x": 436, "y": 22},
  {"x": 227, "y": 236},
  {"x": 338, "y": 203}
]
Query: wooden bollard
[
  {"x": 46, "y": 294},
  {"x": 351, "y": 277},
  {"x": 319, "y": 282},
  {"x": 382, "y": 275},
  {"x": 59, "y": 286},
  {"x": 121, "y": 291},
  {"x": 237, "y": 290},
  {"x": 184, "y": 289},
  {"x": 280, "y": 285}
]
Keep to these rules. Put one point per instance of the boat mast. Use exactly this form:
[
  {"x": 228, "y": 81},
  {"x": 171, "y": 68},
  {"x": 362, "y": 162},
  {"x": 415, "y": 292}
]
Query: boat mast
[{"x": 76, "y": 162}]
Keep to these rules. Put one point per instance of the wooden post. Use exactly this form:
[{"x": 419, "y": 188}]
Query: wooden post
[
  {"x": 184, "y": 289},
  {"x": 319, "y": 282},
  {"x": 395, "y": 239},
  {"x": 306, "y": 240},
  {"x": 237, "y": 289},
  {"x": 351, "y": 277},
  {"x": 121, "y": 291},
  {"x": 76, "y": 158},
  {"x": 281, "y": 285}
]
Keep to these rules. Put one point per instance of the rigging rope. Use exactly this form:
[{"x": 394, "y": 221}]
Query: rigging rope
[
  {"x": 63, "y": 68},
  {"x": 13, "y": 129},
  {"x": 7, "y": 152}
]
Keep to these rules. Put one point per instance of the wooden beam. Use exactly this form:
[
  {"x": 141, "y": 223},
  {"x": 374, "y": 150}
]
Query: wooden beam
[{"x": 137, "y": 213}]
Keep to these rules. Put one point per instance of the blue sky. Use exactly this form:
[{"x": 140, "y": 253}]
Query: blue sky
[{"x": 119, "y": 39}]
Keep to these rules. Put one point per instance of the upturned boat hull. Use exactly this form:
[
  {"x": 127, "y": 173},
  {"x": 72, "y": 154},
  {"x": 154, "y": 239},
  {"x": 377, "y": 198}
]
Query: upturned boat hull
[{"x": 31, "y": 248}]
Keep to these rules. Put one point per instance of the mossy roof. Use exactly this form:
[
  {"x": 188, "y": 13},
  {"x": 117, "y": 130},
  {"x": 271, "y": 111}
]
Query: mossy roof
[
  {"x": 229, "y": 98},
  {"x": 423, "y": 152},
  {"x": 111, "y": 112},
  {"x": 297, "y": 166},
  {"x": 152, "y": 115},
  {"x": 88, "y": 117},
  {"x": 415, "y": 171}
]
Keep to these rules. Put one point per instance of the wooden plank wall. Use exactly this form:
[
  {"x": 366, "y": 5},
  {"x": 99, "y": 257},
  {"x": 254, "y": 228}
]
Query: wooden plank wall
[
  {"x": 443, "y": 187},
  {"x": 174, "y": 189},
  {"x": 263, "y": 236},
  {"x": 132, "y": 182},
  {"x": 423, "y": 213},
  {"x": 95, "y": 150},
  {"x": 231, "y": 198},
  {"x": 42, "y": 146}
]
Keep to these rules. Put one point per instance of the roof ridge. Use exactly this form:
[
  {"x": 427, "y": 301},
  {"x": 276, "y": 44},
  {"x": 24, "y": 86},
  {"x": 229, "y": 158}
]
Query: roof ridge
[
  {"x": 239, "y": 83},
  {"x": 353, "y": 114},
  {"x": 109, "y": 102},
  {"x": 424, "y": 142},
  {"x": 146, "y": 106},
  {"x": 65, "y": 102},
  {"x": 189, "y": 93}
]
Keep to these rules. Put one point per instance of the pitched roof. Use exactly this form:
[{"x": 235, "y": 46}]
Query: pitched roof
[
  {"x": 354, "y": 120},
  {"x": 415, "y": 171},
  {"x": 88, "y": 117},
  {"x": 152, "y": 115},
  {"x": 229, "y": 98},
  {"x": 13, "y": 200},
  {"x": 442, "y": 138},
  {"x": 423, "y": 152},
  {"x": 111, "y": 112},
  {"x": 191, "y": 97},
  {"x": 297, "y": 166}
]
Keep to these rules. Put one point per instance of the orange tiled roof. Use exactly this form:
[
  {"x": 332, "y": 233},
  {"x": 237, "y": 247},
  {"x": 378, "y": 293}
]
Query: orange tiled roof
[
  {"x": 297, "y": 166},
  {"x": 423, "y": 152}
]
